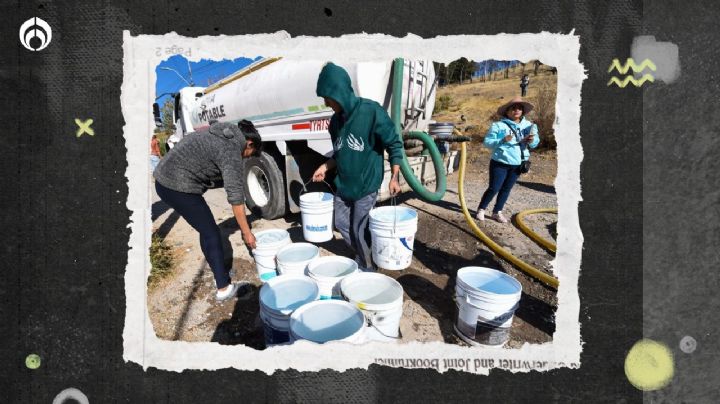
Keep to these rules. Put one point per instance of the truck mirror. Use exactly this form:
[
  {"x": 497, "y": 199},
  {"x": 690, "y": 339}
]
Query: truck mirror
[{"x": 156, "y": 114}]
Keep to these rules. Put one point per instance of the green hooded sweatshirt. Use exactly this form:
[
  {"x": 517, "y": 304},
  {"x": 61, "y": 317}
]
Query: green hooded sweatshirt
[{"x": 360, "y": 134}]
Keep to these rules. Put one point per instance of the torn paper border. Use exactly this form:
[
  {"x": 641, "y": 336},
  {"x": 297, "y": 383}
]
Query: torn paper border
[{"x": 142, "y": 346}]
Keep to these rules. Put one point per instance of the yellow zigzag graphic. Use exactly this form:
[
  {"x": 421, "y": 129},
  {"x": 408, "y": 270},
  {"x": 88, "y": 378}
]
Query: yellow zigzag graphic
[
  {"x": 630, "y": 63},
  {"x": 630, "y": 79}
]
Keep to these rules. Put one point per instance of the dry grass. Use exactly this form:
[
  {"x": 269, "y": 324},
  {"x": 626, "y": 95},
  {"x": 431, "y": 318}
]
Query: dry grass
[
  {"x": 161, "y": 258},
  {"x": 478, "y": 102}
]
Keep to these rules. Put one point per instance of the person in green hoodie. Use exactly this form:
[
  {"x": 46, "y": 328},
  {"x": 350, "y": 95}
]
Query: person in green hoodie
[{"x": 360, "y": 130}]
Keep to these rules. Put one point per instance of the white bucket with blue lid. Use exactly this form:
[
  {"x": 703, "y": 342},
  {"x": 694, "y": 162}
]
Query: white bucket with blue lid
[
  {"x": 328, "y": 272},
  {"x": 279, "y": 297},
  {"x": 328, "y": 320},
  {"x": 294, "y": 258},
  {"x": 380, "y": 298},
  {"x": 316, "y": 211},
  {"x": 269, "y": 242},
  {"x": 486, "y": 301},
  {"x": 393, "y": 229}
]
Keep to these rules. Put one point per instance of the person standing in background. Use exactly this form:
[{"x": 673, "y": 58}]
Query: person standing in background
[
  {"x": 524, "y": 83},
  {"x": 154, "y": 153},
  {"x": 510, "y": 139}
]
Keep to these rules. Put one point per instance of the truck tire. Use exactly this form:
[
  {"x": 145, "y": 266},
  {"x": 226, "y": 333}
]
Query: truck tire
[{"x": 264, "y": 186}]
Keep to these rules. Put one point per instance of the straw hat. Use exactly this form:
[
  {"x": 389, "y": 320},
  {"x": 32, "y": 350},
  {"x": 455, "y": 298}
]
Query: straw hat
[{"x": 527, "y": 107}]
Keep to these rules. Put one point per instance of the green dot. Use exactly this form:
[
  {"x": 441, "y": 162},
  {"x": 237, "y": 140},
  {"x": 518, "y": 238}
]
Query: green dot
[{"x": 32, "y": 361}]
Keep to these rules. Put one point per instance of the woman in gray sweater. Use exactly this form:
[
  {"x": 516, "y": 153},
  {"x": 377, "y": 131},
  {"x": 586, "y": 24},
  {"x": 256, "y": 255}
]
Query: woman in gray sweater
[{"x": 187, "y": 171}]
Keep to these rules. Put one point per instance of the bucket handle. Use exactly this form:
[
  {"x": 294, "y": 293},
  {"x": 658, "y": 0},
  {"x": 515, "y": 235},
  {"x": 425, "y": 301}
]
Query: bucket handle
[
  {"x": 393, "y": 203},
  {"x": 304, "y": 190},
  {"x": 369, "y": 322}
]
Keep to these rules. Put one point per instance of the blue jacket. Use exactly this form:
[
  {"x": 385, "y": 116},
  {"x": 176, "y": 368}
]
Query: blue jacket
[{"x": 509, "y": 152}]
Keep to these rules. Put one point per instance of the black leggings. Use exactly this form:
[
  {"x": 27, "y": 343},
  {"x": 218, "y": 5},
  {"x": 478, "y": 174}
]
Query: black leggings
[{"x": 196, "y": 212}]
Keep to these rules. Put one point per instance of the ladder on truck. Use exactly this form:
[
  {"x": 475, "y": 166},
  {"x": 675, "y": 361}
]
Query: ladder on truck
[{"x": 419, "y": 74}]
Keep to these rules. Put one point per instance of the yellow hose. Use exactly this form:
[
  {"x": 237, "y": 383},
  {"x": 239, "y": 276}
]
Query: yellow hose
[
  {"x": 529, "y": 232},
  {"x": 525, "y": 267}
]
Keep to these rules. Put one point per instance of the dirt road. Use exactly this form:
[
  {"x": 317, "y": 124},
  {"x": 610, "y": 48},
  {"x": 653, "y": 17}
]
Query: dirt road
[{"x": 183, "y": 307}]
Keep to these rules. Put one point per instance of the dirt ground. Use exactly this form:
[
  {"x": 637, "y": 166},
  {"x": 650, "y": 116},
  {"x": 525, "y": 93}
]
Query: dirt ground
[{"x": 183, "y": 307}]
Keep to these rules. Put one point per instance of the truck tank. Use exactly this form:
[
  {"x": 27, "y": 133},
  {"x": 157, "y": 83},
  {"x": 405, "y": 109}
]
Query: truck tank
[{"x": 276, "y": 94}]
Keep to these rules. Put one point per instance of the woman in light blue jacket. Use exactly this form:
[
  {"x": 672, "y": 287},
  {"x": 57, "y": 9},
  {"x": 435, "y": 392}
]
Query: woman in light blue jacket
[{"x": 510, "y": 139}]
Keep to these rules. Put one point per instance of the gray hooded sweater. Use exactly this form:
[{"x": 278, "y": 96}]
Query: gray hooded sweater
[{"x": 203, "y": 157}]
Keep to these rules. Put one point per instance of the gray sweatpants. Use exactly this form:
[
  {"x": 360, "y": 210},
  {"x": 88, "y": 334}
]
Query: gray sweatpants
[{"x": 351, "y": 220}]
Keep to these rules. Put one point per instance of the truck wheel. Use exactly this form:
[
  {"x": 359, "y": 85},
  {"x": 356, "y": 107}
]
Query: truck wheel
[{"x": 264, "y": 186}]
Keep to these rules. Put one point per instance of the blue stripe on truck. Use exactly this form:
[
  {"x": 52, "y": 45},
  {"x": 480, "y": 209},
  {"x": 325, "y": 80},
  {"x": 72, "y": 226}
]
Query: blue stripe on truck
[{"x": 278, "y": 114}]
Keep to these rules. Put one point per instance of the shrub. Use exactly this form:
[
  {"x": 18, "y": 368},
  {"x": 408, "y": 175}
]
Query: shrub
[
  {"x": 545, "y": 116},
  {"x": 443, "y": 103},
  {"x": 161, "y": 259}
]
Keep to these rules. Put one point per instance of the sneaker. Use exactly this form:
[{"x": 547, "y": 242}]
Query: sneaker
[
  {"x": 499, "y": 217},
  {"x": 229, "y": 292},
  {"x": 480, "y": 215}
]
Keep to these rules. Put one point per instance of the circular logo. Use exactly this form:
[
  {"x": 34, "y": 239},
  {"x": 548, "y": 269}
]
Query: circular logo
[
  {"x": 35, "y": 34},
  {"x": 33, "y": 361}
]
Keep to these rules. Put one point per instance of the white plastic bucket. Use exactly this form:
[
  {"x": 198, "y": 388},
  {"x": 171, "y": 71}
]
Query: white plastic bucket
[
  {"x": 279, "y": 297},
  {"x": 269, "y": 242},
  {"x": 328, "y": 272},
  {"x": 328, "y": 320},
  {"x": 486, "y": 301},
  {"x": 294, "y": 258},
  {"x": 316, "y": 210},
  {"x": 380, "y": 298},
  {"x": 393, "y": 232}
]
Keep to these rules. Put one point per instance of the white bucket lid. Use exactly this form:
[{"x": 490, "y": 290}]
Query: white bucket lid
[
  {"x": 372, "y": 291},
  {"x": 271, "y": 237},
  {"x": 389, "y": 214},
  {"x": 283, "y": 294},
  {"x": 297, "y": 253},
  {"x": 332, "y": 267},
  {"x": 326, "y": 320},
  {"x": 316, "y": 197},
  {"x": 488, "y": 284}
]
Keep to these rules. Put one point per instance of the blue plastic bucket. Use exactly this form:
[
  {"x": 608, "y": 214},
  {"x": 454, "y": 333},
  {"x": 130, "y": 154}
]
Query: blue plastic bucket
[{"x": 279, "y": 297}]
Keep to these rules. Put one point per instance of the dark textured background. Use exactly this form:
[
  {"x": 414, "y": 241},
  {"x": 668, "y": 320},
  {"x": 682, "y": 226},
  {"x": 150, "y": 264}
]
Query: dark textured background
[
  {"x": 64, "y": 244},
  {"x": 681, "y": 207}
]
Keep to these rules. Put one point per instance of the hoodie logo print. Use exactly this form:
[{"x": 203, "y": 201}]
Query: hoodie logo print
[
  {"x": 338, "y": 143},
  {"x": 355, "y": 143}
]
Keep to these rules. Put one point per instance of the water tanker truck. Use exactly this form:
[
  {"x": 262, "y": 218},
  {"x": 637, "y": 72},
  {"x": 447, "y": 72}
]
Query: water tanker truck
[{"x": 278, "y": 96}]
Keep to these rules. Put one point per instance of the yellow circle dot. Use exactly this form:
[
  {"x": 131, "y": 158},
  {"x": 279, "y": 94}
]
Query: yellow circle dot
[
  {"x": 32, "y": 361},
  {"x": 649, "y": 365}
]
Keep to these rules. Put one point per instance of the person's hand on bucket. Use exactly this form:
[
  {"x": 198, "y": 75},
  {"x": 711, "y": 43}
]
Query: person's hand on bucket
[
  {"x": 319, "y": 174},
  {"x": 247, "y": 235},
  {"x": 394, "y": 187},
  {"x": 249, "y": 239}
]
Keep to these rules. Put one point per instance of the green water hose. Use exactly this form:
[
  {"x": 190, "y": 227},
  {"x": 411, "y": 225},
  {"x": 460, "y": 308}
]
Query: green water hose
[{"x": 407, "y": 172}]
